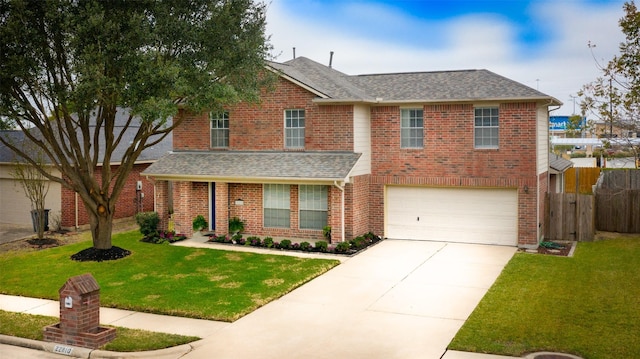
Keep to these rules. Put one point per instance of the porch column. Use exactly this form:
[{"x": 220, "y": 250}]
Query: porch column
[{"x": 222, "y": 208}]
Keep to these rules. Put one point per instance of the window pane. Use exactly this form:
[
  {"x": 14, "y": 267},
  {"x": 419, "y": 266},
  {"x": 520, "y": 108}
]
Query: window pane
[
  {"x": 313, "y": 206},
  {"x": 411, "y": 128},
  {"x": 276, "y": 205},
  {"x": 486, "y": 123},
  {"x": 294, "y": 129},
  {"x": 219, "y": 129},
  {"x": 313, "y": 219}
]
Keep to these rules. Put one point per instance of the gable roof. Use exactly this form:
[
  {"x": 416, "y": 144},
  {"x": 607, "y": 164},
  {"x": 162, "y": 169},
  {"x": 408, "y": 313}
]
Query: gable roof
[
  {"x": 249, "y": 167},
  {"x": 438, "y": 86}
]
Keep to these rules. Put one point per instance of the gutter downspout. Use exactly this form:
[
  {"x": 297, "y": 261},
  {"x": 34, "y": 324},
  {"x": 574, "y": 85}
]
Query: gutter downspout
[{"x": 341, "y": 188}]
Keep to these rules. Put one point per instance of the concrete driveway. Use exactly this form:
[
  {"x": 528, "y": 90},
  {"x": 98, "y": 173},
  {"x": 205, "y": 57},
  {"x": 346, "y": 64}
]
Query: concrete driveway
[
  {"x": 399, "y": 299},
  {"x": 14, "y": 232}
]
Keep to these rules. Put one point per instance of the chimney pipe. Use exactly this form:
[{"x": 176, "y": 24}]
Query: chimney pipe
[
  {"x": 330, "y": 58},
  {"x": 294, "y": 52}
]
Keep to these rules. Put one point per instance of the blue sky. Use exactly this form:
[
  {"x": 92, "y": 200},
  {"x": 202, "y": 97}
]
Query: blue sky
[{"x": 542, "y": 44}]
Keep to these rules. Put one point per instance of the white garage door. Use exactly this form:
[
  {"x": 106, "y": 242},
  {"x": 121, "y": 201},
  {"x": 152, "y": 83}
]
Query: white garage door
[
  {"x": 15, "y": 207},
  {"x": 14, "y": 204},
  {"x": 487, "y": 216}
]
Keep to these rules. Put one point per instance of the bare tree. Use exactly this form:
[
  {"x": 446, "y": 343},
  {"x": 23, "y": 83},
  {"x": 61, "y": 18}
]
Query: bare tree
[{"x": 35, "y": 186}]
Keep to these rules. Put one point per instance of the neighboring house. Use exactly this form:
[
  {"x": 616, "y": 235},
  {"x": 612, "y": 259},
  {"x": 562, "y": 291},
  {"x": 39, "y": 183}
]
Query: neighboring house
[
  {"x": 459, "y": 156},
  {"x": 137, "y": 195},
  {"x": 15, "y": 206},
  {"x": 557, "y": 168}
]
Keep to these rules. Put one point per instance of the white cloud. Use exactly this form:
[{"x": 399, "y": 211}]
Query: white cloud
[{"x": 370, "y": 38}]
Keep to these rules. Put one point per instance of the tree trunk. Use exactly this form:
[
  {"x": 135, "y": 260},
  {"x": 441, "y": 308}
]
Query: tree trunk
[
  {"x": 41, "y": 224},
  {"x": 101, "y": 228}
]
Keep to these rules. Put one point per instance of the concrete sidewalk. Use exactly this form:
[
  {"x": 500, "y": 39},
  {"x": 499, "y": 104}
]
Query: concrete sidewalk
[{"x": 398, "y": 299}]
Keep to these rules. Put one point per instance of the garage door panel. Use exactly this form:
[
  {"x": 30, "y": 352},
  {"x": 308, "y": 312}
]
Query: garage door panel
[{"x": 452, "y": 214}]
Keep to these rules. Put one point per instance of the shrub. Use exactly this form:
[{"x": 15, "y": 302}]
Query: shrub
[
  {"x": 358, "y": 242},
  {"x": 254, "y": 241},
  {"x": 342, "y": 247},
  {"x": 321, "y": 246},
  {"x": 239, "y": 240},
  {"x": 305, "y": 246},
  {"x": 199, "y": 223},
  {"x": 268, "y": 242},
  {"x": 285, "y": 244},
  {"x": 295, "y": 246},
  {"x": 148, "y": 222},
  {"x": 326, "y": 233}
]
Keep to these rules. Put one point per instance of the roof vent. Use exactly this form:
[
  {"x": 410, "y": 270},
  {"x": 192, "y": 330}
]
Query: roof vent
[{"x": 330, "y": 58}]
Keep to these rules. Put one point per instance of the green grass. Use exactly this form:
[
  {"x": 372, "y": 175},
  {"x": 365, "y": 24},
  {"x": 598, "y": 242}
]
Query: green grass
[
  {"x": 588, "y": 305},
  {"x": 127, "y": 340},
  {"x": 190, "y": 282}
]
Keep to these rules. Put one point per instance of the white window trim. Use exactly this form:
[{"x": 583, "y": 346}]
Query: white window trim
[
  {"x": 485, "y": 147},
  {"x": 295, "y": 128},
  {"x": 225, "y": 116},
  {"x": 411, "y": 128}
]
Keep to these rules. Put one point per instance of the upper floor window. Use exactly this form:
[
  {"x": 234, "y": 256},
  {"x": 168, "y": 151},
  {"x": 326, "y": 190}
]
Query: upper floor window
[
  {"x": 219, "y": 129},
  {"x": 486, "y": 127},
  {"x": 276, "y": 205},
  {"x": 411, "y": 128},
  {"x": 313, "y": 206},
  {"x": 294, "y": 128}
]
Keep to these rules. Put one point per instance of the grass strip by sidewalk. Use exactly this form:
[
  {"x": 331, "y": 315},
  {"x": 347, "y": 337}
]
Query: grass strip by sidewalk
[
  {"x": 587, "y": 305},
  {"x": 128, "y": 340},
  {"x": 190, "y": 282}
]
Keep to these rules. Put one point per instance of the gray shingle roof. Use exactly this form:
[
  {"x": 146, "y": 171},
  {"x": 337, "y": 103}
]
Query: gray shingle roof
[
  {"x": 559, "y": 164},
  {"x": 149, "y": 154},
  {"x": 255, "y": 166},
  {"x": 437, "y": 86}
]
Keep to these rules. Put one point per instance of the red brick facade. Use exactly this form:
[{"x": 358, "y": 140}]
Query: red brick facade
[
  {"x": 130, "y": 202},
  {"x": 447, "y": 159}
]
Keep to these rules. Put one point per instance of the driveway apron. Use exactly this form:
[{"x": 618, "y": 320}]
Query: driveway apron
[{"x": 398, "y": 299}]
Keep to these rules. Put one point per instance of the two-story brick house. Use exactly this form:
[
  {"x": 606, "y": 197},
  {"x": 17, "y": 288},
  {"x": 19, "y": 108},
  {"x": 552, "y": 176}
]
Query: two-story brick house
[{"x": 457, "y": 156}]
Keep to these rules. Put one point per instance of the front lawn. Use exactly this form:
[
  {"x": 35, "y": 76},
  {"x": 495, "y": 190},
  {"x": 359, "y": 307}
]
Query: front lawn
[
  {"x": 191, "y": 282},
  {"x": 587, "y": 305}
]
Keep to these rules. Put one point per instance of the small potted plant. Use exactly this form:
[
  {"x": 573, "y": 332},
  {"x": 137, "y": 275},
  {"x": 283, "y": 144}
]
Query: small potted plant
[
  {"x": 236, "y": 225},
  {"x": 199, "y": 223}
]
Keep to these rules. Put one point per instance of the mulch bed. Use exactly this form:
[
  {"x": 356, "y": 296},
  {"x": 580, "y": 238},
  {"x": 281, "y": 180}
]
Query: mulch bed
[
  {"x": 563, "y": 252},
  {"x": 98, "y": 255},
  {"x": 43, "y": 243}
]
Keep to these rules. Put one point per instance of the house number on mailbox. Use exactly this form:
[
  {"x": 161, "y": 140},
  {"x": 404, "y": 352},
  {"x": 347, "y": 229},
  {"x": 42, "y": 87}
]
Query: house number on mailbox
[{"x": 68, "y": 302}]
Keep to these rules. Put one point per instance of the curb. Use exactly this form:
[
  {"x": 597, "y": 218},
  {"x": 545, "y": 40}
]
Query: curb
[{"x": 79, "y": 352}]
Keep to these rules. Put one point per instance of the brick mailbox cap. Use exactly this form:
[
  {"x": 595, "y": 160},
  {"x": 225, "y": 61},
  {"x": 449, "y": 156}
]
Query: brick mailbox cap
[{"x": 82, "y": 284}]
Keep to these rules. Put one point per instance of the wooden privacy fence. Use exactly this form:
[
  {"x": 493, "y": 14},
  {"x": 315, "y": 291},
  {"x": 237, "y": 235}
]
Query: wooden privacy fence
[
  {"x": 615, "y": 206},
  {"x": 570, "y": 216},
  {"x": 581, "y": 179},
  {"x": 618, "y": 202}
]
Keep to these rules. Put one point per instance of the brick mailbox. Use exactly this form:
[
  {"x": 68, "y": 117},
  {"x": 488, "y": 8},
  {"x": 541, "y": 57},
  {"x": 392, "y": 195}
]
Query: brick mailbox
[{"x": 80, "y": 315}]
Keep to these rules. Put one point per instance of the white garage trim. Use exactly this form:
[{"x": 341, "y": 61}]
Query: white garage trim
[{"x": 465, "y": 215}]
